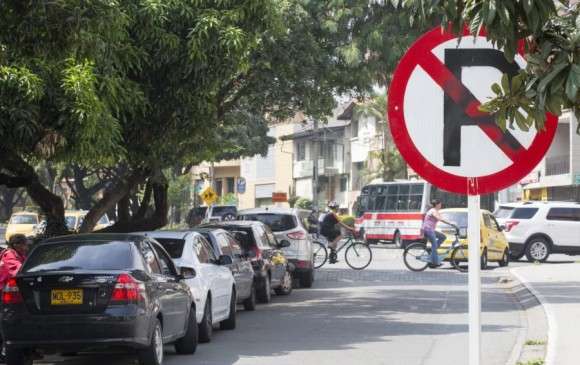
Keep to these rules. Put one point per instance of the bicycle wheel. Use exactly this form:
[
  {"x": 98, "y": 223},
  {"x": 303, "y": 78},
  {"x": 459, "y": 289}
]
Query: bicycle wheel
[
  {"x": 416, "y": 256},
  {"x": 458, "y": 258},
  {"x": 358, "y": 255},
  {"x": 319, "y": 253}
]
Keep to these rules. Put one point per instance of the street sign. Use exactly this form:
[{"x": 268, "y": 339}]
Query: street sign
[
  {"x": 435, "y": 121},
  {"x": 279, "y": 197},
  {"x": 437, "y": 126},
  {"x": 208, "y": 195},
  {"x": 241, "y": 185}
]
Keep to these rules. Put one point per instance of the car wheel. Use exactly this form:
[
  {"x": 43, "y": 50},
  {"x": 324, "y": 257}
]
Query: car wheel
[
  {"x": 505, "y": 259},
  {"x": 188, "y": 343},
  {"x": 206, "y": 325},
  {"x": 18, "y": 357},
  {"x": 250, "y": 302},
  {"x": 265, "y": 292},
  {"x": 306, "y": 279},
  {"x": 484, "y": 260},
  {"x": 538, "y": 249},
  {"x": 153, "y": 353},
  {"x": 230, "y": 322},
  {"x": 397, "y": 240},
  {"x": 285, "y": 287}
]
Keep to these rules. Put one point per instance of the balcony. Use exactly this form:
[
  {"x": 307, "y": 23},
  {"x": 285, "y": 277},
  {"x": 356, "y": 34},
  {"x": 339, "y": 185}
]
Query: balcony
[
  {"x": 557, "y": 165},
  {"x": 325, "y": 167}
]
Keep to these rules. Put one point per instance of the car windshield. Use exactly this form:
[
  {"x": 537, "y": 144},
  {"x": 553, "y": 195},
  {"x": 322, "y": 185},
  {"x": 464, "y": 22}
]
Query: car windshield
[
  {"x": 173, "y": 246},
  {"x": 24, "y": 219},
  {"x": 91, "y": 255},
  {"x": 223, "y": 210},
  {"x": 104, "y": 220},
  {"x": 503, "y": 212},
  {"x": 457, "y": 218},
  {"x": 276, "y": 222},
  {"x": 71, "y": 222}
]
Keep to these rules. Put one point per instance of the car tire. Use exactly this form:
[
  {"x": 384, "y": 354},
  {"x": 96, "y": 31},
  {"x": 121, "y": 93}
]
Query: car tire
[
  {"x": 250, "y": 302},
  {"x": 264, "y": 294},
  {"x": 484, "y": 260},
  {"x": 397, "y": 240},
  {"x": 206, "y": 325},
  {"x": 306, "y": 279},
  {"x": 153, "y": 353},
  {"x": 18, "y": 357},
  {"x": 285, "y": 287},
  {"x": 188, "y": 343},
  {"x": 505, "y": 259},
  {"x": 537, "y": 249},
  {"x": 230, "y": 322}
]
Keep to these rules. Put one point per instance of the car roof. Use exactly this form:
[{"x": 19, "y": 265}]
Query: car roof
[
  {"x": 86, "y": 237},
  {"x": 209, "y": 229},
  {"x": 245, "y": 224},
  {"x": 461, "y": 210},
  {"x": 538, "y": 203},
  {"x": 176, "y": 234},
  {"x": 274, "y": 210}
]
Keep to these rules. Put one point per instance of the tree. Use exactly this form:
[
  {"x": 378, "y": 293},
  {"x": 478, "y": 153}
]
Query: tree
[{"x": 549, "y": 32}]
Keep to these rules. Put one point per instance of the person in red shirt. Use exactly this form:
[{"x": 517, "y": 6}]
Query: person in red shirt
[{"x": 12, "y": 258}]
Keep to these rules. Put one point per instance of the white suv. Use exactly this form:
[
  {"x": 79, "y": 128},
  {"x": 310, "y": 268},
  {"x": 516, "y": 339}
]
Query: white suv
[{"x": 537, "y": 229}]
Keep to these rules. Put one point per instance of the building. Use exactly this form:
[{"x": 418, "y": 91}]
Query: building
[{"x": 558, "y": 175}]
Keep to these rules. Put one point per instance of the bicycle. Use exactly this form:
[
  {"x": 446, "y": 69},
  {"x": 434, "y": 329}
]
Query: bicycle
[
  {"x": 358, "y": 254},
  {"x": 417, "y": 256}
]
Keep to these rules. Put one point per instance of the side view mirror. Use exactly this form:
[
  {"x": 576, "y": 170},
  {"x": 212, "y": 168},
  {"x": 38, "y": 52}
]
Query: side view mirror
[
  {"x": 225, "y": 260},
  {"x": 283, "y": 244},
  {"x": 187, "y": 272},
  {"x": 502, "y": 228}
]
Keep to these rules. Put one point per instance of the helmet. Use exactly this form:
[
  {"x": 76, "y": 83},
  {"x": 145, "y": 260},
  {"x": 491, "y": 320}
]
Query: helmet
[{"x": 333, "y": 205}]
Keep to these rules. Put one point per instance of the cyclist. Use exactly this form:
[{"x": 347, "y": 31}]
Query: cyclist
[
  {"x": 330, "y": 229},
  {"x": 436, "y": 238}
]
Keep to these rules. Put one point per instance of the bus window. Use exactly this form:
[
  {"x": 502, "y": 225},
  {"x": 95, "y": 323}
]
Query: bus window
[
  {"x": 417, "y": 189},
  {"x": 415, "y": 202},
  {"x": 404, "y": 190},
  {"x": 379, "y": 203},
  {"x": 393, "y": 189},
  {"x": 391, "y": 203},
  {"x": 403, "y": 203}
]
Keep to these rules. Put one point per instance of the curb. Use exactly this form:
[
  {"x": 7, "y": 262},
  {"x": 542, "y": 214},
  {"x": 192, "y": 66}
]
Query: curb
[{"x": 551, "y": 322}]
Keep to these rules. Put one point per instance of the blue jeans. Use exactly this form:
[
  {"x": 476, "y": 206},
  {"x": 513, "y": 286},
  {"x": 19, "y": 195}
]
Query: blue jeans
[{"x": 436, "y": 238}]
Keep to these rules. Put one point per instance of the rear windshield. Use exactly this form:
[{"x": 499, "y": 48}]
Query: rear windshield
[
  {"x": 457, "y": 218},
  {"x": 24, "y": 219},
  {"x": 276, "y": 222},
  {"x": 223, "y": 210},
  {"x": 174, "y": 247},
  {"x": 524, "y": 213},
  {"x": 503, "y": 212},
  {"x": 108, "y": 255}
]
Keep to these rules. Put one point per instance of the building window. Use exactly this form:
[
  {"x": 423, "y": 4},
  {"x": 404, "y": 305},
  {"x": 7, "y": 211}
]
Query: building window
[
  {"x": 343, "y": 183},
  {"x": 300, "y": 151},
  {"x": 218, "y": 186},
  {"x": 230, "y": 185},
  {"x": 354, "y": 128}
]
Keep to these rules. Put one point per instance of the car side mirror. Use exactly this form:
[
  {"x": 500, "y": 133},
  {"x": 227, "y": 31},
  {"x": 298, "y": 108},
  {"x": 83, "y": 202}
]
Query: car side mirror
[
  {"x": 502, "y": 228},
  {"x": 187, "y": 272},
  {"x": 225, "y": 260},
  {"x": 283, "y": 244}
]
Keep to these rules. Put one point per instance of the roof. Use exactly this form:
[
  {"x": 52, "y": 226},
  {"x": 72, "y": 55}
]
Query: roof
[
  {"x": 96, "y": 237},
  {"x": 310, "y": 133},
  {"x": 552, "y": 202},
  {"x": 347, "y": 112},
  {"x": 274, "y": 210}
]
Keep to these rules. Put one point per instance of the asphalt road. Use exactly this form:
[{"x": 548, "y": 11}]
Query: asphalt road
[{"x": 382, "y": 315}]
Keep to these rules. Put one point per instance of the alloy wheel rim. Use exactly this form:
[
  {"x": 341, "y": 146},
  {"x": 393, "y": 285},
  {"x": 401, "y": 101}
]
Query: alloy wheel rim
[
  {"x": 538, "y": 250},
  {"x": 158, "y": 342}
]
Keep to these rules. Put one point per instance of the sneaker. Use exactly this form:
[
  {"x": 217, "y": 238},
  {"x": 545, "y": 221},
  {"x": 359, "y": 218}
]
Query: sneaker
[{"x": 434, "y": 266}]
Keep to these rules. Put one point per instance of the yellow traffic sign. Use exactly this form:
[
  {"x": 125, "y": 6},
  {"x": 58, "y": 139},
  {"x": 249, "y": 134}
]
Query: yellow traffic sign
[{"x": 208, "y": 195}]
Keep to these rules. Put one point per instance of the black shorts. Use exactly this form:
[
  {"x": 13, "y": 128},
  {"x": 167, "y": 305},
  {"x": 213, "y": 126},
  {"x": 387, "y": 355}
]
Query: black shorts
[{"x": 331, "y": 235}]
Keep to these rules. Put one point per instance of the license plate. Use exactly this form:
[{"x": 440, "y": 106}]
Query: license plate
[{"x": 66, "y": 297}]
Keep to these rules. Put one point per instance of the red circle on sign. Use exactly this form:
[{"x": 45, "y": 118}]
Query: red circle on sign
[{"x": 524, "y": 160}]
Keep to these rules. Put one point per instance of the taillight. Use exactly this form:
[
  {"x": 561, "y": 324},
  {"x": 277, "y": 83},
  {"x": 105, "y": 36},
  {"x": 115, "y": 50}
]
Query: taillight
[
  {"x": 11, "y": 293},
  {"x": 298, "y": 235},
  {"x": 510, "y": 224},
  {"x": 127, "y": 290}
]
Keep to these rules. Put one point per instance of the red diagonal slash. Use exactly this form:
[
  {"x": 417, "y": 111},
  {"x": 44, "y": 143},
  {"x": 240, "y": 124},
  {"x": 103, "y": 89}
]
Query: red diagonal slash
[{"x": 463, "y": 97}]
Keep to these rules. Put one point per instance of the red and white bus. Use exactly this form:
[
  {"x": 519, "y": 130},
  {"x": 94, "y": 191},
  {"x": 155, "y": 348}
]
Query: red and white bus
[{"x": 393, "y": 211}]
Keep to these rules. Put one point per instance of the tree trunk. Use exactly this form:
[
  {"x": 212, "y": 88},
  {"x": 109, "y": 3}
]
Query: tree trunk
[
  {"x": 51, "y": 206},
  {"x": 8, "y": 200}
]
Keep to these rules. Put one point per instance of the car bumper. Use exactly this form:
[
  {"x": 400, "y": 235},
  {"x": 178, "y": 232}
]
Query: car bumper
[
  {"x": 57, "y": 332},
  {"x": 301, "y": 266},
  {"x": 516, "y": 248}
]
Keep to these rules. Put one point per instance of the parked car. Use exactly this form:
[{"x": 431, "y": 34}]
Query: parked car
[
  {"x": 212, "y": 286},
  {"x": 538, "y": 229},
  {"x": 493, "y": 246},
  {"x": 223, "y": 243},
  {"x": 214, "y": 213},
  {"x": 271, "y": 269},
  {"x": 292, "y": 225},
  {"x": 21, "y": 223},
  {"x": 74, "y": 219},
  {"x": 98, "y": 291}
]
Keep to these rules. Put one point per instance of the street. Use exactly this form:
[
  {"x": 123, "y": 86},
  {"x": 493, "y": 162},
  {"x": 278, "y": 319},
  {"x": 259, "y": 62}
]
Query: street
[{"x": 382, "y": 315}]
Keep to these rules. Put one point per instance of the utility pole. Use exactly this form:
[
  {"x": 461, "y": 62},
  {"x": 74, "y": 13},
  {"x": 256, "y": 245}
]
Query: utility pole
[{"x": 316, "y": 154}]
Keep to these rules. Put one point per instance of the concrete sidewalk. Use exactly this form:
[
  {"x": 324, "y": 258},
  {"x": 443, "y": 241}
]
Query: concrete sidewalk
[{"x": 557, "y": 287}]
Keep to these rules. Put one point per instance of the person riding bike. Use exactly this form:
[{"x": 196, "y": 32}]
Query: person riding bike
[
  {"x": 432, "y": 217},
  {"x": 330, "y": 229}
]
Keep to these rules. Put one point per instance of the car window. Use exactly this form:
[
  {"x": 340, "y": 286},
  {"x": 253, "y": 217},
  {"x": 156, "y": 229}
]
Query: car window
[
  {"x": 173, "y": 246},
  {"x": 24, "y": 219},
  {"x": 164, "y": 261},
  {"x": 457, "y": 218},
  {"x": 503, "y": 212},
  {"x": 224, "y": 244},
  {"x": 105, "y": 255},
  {"x": 494, "y": 224},
  {"x": 150, "y": 260},
  {"x": 524, "y": 213},
  {"x": 234, "y": 245},
  {"x": 277, "y": 222},
  {"x": 486, "y": 220},
  {"x": 104, "y": 220},
  {"x": 204, "y": 251},
  {"x": 270, "y": 235},
  {"x": 564, "y": 214},
  {"x": 262, "y": 238},
  {"x": 71, "y": 222}
]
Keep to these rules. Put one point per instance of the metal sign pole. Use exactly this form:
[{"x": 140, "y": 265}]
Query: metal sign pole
[{"x": 474, "y": 239}]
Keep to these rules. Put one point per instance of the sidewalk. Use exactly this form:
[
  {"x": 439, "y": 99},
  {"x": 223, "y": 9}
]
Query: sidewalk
[{"x": 557, "y": 287}]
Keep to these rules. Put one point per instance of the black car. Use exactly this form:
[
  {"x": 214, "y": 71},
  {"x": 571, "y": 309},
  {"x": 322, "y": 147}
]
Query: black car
[
  {"x": 217, "y": 213},
  {"x": 97, "y": 291},
  {"x": 223, "y": 243},
  {"x": 271, "y": 269}
]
